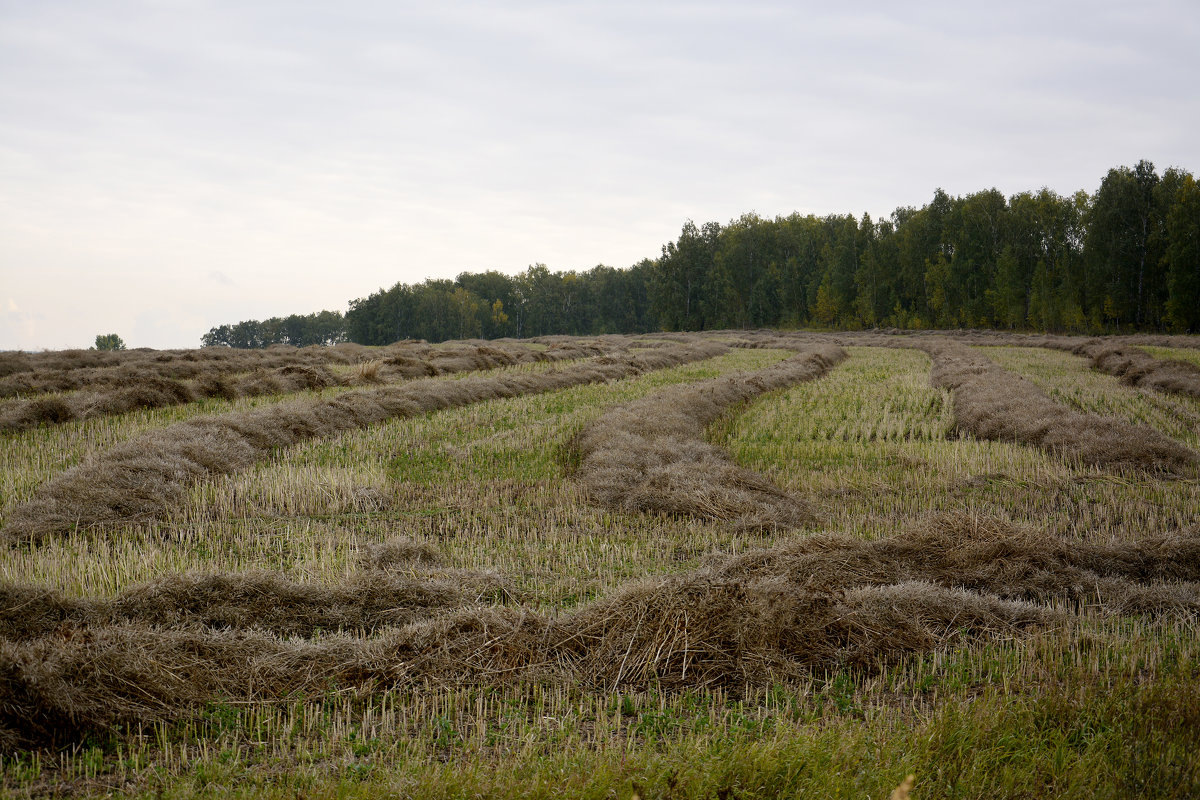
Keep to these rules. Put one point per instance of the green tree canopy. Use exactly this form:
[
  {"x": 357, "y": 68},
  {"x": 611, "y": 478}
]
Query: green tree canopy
[
  {"x": 1126, "y": 257},
  {"x": 109, "y": 341}
]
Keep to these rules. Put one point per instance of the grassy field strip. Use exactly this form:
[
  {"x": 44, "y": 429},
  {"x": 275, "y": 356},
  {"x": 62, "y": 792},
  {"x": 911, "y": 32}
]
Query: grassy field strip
[
  {"x": 390, "y": 365},
  {"x": 510, "y": 439},
  {"x": 30, "y": 458},
  {"x": 1188, "y": 354},
  {"x": 1068, "y": 379},
  {"x": 649, "y": 455},
  {"x": 474, "y": 499},
  {"x": 983, "y": 722},
  {"x": 144, "y": 479},
  {"x": 874, "y": 444},
  {"x": 483, "y": 482},
  {"x": 873, "y": 432}
]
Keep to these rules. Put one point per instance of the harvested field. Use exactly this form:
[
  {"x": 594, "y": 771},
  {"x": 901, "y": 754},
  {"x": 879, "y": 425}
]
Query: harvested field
[
  {"x": 446, "y": 603},
  {"x": 992, "y": 403},
  {"x": 650, "y": 455},
  {"x": 766, "y": 615},
  {"x": 1068, "y": 380},
  {"x": 1140, "y": 368},
  {"x": 875, "y": 447},
  {"x": 144, "y": 478},
  {"x": 142, "y": 387},
  {"x": 1190, "y": 355}
]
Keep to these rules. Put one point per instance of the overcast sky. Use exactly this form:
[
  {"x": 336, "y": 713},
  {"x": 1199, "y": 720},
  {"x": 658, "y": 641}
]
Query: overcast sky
[{"x": 169, "y": 166}]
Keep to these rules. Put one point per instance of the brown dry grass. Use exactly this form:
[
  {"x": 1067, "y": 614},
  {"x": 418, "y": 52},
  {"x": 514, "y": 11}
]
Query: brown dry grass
[
  {"x": 59, "y": 371},
  {"x": 1138, "y": 368},
  {"x": 992, "y": 403},
  {"x": 144, "y": 477},
  {"x": 142, "y": 386},
  {"x": 593, "y": 599},
  {"x": 650, "y": 455},
  {"x": 766, "y": 615},
  {"x": 376, "y": 596}
]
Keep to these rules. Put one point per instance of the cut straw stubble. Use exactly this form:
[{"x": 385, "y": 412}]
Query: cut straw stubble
[
  {"x": 650, "y": 455},
  {"x": 822, "y": 602},
  {"x": 145, "y": 477},
  {"x": 992, "y": 403}
]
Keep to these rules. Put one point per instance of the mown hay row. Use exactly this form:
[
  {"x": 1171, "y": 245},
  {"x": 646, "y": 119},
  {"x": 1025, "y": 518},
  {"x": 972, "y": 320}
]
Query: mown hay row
[
  {"x": 1160, "y": 340},
  {"x": 65, "y": 370},
  {"x": 815, "y": 604},
  {"x": 992, "y": 403},
  {"x": 153, "y": 392},
  {"x": 1118, "y": 355},
  {"x": 134, "y": 391},
  {"x": 375, "y": 597},
  {"x": 144, "y": 477},
  {"x": 650, "y": 455},
  {"x": 1156, "y": 574},
  {"x": 1138, "y": 368},
  {"x": 121, "y": 369},
  {"x": 56, "y": 691}
]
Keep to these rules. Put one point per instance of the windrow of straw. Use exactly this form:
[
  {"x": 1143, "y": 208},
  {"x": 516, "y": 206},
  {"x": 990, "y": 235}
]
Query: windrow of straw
[
  {"x": 65, "y": 370},
  {"x": 131, "y": 390},
  {"x": 1138, "y": 368},
  {"x": 811, "y": 605},
  {"x": 154, "y": 392},
  {"x": 30, "y": 374},
  {"x": 650, "y": 455},
  {"x": 145, "y": 477},
  {"x": 992, "y": 403},
  {"x": 1118, "y": 356},
  {"x": 1160, "y": 340},
  {"x": 377, "y": 596}
]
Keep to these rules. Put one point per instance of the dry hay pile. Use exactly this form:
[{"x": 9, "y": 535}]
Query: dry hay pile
[
  {"x": 992, "y": 403},
  {"x": 1139, "y": 368},
  {"x": 130, "y": 389},
  {"x": 1159, "y": 340},
  {"x": 814, "y": 604},
  {"x": 145, "y": 477},
  {"x": 1119, "y": 357},
  {"x": 650, "y": 455},
  {"x": 67, "y": 370},
  {"x": 373, "y": 598}
]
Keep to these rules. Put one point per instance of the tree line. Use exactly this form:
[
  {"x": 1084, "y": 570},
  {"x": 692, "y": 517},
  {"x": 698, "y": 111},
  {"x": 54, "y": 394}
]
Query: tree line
[
  {"x": 491, "y": 304},
  {"x": 300, "y": 330},
  {"x": 1124, "y": 258}
]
